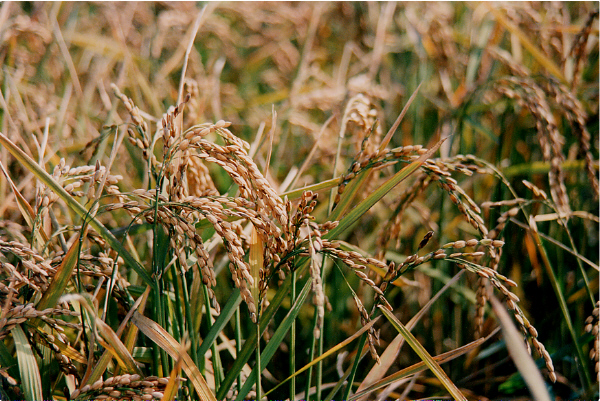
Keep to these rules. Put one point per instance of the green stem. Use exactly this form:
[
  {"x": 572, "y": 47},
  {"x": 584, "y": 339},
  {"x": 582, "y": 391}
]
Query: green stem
[
  {"x": 238, "y": 343},
  {"x": 562, "y": 302},
  {"x": 258, "y": 367},
  {"x": 190, "y": 321},
  {"x": 178, "y": 306},
  {"x": 339, "y": 384},
  {"x": 293, "y": 341},
  {"x": 335, "y": 167},
  {"x": 265, "y": 318},
  {"x": 319, "y": 374},
  {"x": 313, "y": 345},
  {"x": 586, "y": 280},
  {"x": 311, "y": 355},
  {"x": 361, "y": 343},
  {"x": 163, "y": 323},
  {"x": 216, "y": 360}
]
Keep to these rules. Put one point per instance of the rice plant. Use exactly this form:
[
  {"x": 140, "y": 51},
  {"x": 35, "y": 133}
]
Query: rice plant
[{"x": 268, "y": 200}]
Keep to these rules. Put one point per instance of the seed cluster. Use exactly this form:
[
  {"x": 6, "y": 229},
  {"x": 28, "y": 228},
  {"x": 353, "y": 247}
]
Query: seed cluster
[
  {"x": 123, "y": 387},
  {"x": 531, "y": 96},
  {"x": 22, "y": 313},
  {"x": 592, "y": 326},
  {"x": 579, "y": 48}
]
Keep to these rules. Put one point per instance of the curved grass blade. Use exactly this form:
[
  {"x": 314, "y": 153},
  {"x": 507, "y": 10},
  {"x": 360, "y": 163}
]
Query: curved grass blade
[
  {"x": 420, "y": 367},
  {"x": 165, "y": 341},
  {"x": 559, "y": 244},
  {"x": 388, "y": 137},
  {"x": 226, "y": 313},
  {"x": 28, "y": 368},
  {"x": 113, "y": 344},
  {"x": 560, "y": 298},
  {"x": 424, "y": 355},
  {"x": 107, "y": 337},
  {"x": 330, "y": 352},
  {"x": 275, "y": 340},
  {"x": 60, "y": 280},
  {"x": 343, "y": 379},
  {"x": 391, "y": 352},
  {"x": 518, "y": 353},
  {"x": 25, "y": 208},
  {"x": 321, "y": 186},
  {"x": 75, "y": 206},
  {"x": 92, "y": 375},
  {"x": 173, "y": 385},
  {"x": 356, "y": 185},
  {"x": 66, "y": 349},
  {"x": 376, "y": 195},
  {"x": 248, "y": 349}
]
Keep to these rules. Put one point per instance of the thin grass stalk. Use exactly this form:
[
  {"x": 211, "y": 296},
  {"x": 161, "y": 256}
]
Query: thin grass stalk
[
  {"x": 293, "y": 341},
  {"x": 109, "y": 287},
  {"x": 313, "y": 345},
  {"x": 559, "y": 245},
  {"x": 190, "y": 321},
  {"x": 282, "y": 146},
  {"x": 332, "y": 351},
  {"x": 238, "y": 343},
  {"x": 157, "y": 353},
  {"x": 266, "y": 316},
  {"x": 584, "y": 275},
  {"x": 357, "y": 359},
  {"x": 162, "y": 300},
  {"x": 227, "y": 312},
  {"x": 311, "y": 153},
  {"x": 45, "y": 362},
  {"x": 424, "y": 355},
  {"x": 179, "y": 311},
  {"x": 258, "y": 365},
  {"x": 311, "y": 355},
  {"x": 159, "y": 314},
  {"x": 216, "y": 360},
  {"x": 319, "y": 373},
  {"x": 344, "y": 377},
  {"x": 561, "y": 301},
  {"x": 420, "y": 366},
  {"x": 275, "y": 341},
  {"x": 336, "y": 162},
  {"x": 188, "y": 50}
]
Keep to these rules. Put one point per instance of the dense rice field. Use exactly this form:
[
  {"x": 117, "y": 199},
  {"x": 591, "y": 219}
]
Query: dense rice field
[{"x": 299, "y": 200}]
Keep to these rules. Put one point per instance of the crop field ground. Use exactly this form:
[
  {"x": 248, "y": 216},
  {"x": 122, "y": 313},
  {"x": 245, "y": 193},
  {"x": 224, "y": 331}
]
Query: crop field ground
[{"x": 301, "y": 200}]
